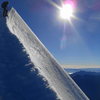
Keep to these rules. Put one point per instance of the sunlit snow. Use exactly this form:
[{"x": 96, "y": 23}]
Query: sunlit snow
[{"x": 58, "y": 80}]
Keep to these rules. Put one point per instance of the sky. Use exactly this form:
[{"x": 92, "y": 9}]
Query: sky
[{"x": 72, "y": 43}]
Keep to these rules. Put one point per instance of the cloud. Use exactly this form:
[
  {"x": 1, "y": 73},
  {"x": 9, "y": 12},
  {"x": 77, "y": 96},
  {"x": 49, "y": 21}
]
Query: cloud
[{"x": 81, "y": 66}]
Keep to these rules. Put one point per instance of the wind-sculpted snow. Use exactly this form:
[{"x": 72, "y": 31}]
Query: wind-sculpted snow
[
  {"x": 17, "y": 79},
  {"x": 58, "y": 80}
]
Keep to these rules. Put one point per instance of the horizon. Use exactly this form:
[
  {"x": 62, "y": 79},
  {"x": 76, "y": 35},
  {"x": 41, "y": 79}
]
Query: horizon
[{"x": 81, "y": 66}]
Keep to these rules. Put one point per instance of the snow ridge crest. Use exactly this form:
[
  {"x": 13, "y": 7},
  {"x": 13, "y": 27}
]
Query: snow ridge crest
[{"x": 60, "y": 82}]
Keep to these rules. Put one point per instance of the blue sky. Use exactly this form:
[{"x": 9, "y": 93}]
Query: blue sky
[{"x": 76, "y": 44}]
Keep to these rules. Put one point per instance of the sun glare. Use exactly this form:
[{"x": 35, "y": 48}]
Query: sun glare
[{"x": 66, "y": 11}]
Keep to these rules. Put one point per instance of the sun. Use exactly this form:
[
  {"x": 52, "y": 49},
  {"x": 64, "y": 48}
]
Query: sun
[{"x": 66, "y": 11}]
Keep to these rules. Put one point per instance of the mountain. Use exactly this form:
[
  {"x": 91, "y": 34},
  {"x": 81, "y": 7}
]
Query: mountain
[
  {"x": 19, "y": 80},
  {"x": 89, "y": 82},
  {"x": 27, "y": 69},
  {"x": 74, "y": 70}
]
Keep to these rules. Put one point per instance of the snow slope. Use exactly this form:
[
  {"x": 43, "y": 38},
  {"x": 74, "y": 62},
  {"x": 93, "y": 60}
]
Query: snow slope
[
  {"x": 59, "y": 81},
  {"x": 17, "y": 79}
]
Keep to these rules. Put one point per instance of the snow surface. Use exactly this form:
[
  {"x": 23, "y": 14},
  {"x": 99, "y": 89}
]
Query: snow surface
[
  {"x": 17, "y": 79},
  {"x": 59, "y": 81}
]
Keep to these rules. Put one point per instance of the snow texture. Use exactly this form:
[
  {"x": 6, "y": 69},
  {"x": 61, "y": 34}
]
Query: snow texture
[
  {"x": 18, "y": 80},
  {"x": 51, "y": 71}
]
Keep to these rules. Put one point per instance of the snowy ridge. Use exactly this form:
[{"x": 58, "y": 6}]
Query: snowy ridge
[
  {"x": 17, "y": 79},
  {"x": 58, "y": 79}
]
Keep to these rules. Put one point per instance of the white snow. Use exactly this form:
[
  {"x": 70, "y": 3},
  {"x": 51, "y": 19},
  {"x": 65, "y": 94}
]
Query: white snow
[{"x": 49, "y": 68}]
